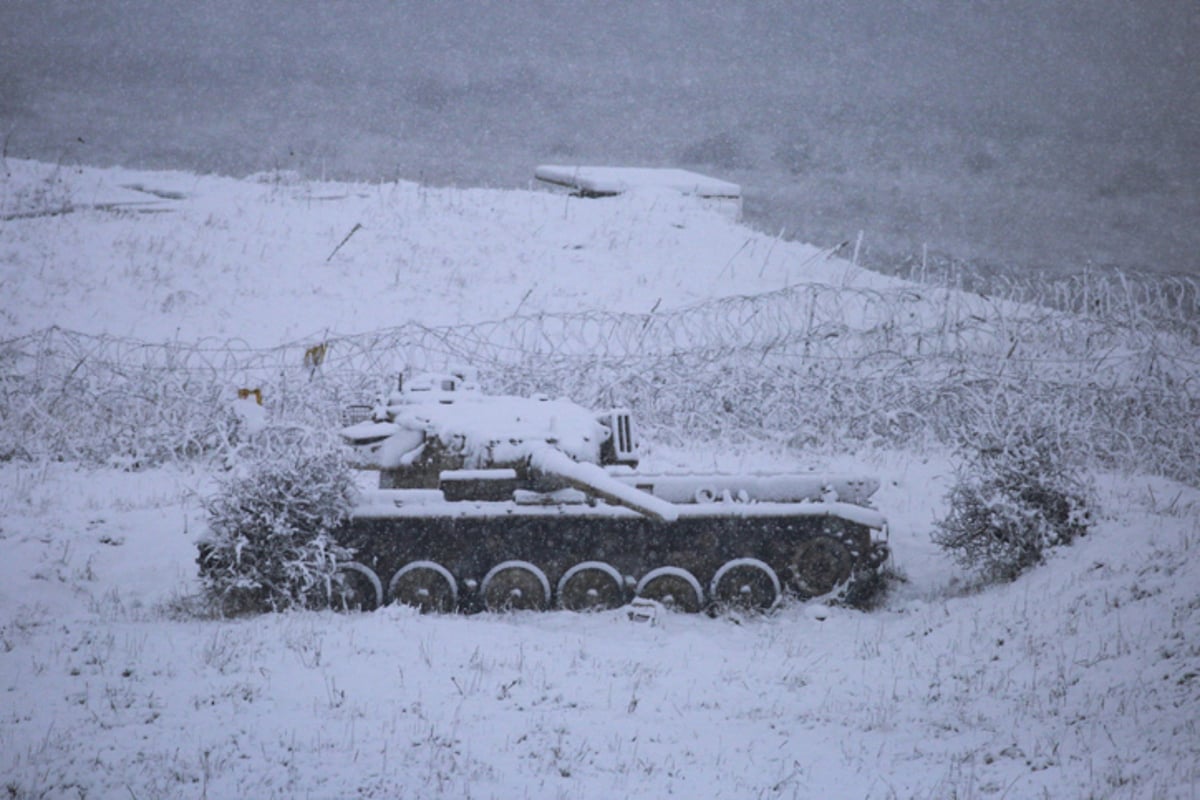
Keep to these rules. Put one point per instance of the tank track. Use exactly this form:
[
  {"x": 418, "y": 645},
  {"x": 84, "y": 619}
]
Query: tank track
[{"x": 498, "y": 556}]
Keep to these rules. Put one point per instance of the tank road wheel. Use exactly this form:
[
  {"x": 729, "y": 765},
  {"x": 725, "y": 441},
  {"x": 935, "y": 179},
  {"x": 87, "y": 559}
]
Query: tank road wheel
[
  {"x": 426, "y": 585},
  {"x": 515, "y": 586},
  {"x": 591, "y": 586},
  {"x": 745, "y": 584},
  {"x": 355, "y": 587},
  {"x": 675, "y": 588},
  {"x": 818, "y": 565}
]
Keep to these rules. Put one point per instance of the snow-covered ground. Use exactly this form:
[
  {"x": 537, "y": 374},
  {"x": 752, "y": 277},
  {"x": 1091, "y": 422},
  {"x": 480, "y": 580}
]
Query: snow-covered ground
[
  {"x": 1081, "y": 679},
  {"x": 277, "y": 258}
]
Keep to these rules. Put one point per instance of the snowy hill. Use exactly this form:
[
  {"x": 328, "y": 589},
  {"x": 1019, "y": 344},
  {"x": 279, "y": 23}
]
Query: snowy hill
[
  {"x": 275, "y": 258},
  {"x": 1081, "y": 679}
]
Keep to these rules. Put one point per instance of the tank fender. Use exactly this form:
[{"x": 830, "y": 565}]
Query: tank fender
[
  {"x": 772, "y": 488},
  {"x": 858, "y": 515}
]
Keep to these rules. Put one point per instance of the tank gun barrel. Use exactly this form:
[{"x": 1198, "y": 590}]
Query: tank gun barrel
[{"x": 594, "y": 480}]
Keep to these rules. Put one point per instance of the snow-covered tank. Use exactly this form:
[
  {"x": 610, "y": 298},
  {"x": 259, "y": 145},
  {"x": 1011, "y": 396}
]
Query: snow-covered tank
[{"x": 503, "y": 502}]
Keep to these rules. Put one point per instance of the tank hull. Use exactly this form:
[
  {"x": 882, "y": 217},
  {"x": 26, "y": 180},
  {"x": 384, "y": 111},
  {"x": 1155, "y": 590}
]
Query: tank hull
[{"x": 469, "y": 539}]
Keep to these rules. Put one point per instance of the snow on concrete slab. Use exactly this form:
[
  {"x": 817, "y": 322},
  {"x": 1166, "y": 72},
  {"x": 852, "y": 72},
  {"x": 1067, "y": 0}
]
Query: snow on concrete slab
[{"x": 617, "y": 180}]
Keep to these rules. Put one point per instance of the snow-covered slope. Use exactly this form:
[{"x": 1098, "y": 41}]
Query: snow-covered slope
[
  {"x": 1082, "y": 679},
  {"x": 272, "y": 259}
]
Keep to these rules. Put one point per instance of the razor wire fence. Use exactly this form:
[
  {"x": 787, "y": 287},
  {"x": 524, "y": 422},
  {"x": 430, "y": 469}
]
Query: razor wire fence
[{"x": 809, "y": 366}]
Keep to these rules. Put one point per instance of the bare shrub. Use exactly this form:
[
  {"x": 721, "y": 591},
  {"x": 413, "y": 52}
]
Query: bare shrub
[
  {"x": 1014, "y": 498},
  {"x": 270, "y": 544}
]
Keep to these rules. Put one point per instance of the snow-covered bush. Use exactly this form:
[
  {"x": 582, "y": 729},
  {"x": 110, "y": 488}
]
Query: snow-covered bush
[
  {"x": 1011, "y": 501},
  {"x": 270, "y": 543}
]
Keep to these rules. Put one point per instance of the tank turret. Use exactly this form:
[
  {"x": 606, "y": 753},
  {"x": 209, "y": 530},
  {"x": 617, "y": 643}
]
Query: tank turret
[{"x": 442, "y": 432}]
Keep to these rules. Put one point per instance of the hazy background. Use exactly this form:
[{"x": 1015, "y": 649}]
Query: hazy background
[{"x": 1035, "y": 134}]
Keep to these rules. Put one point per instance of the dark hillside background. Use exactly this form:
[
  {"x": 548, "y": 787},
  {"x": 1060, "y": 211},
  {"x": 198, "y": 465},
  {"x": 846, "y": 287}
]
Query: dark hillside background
[{"x": 1041, "y": 135}]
